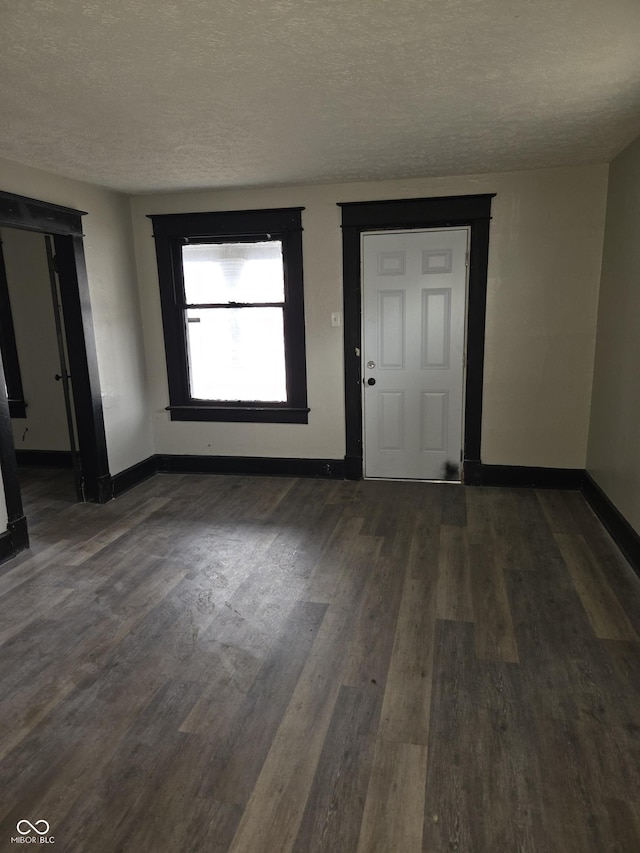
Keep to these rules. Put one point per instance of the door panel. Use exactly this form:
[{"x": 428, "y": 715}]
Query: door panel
[
  {"x": 436, "y": 328},
  {"x": 435, "y": 419},
  {"x": 414, "y": 303},
  {"x": 391, "y": 329},
  {"x": 390, "y": 429}
]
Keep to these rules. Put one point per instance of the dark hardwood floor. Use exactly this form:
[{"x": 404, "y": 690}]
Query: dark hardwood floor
[{"x": 264, "y": 665}]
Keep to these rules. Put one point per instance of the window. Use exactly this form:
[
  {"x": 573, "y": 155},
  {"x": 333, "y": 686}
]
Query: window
[{"x": 233, "y": 315}]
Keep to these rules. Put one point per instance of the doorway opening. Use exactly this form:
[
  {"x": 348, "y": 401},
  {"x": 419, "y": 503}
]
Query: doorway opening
[
  {"x": 35, "y": 358},
  {"x": 358, "y": 219},
  {"x": 75, "y": 362}
]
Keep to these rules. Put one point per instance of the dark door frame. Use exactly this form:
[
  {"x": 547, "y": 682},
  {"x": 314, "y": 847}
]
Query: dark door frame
[
  {"x": 65, "y": 225},
  {"x": 440, "y": 212}
]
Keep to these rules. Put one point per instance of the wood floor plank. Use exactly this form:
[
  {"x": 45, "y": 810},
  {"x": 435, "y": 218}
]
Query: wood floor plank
[
  {"x": 483, "y": 780},
  {"x": 27, "y": 566},
  {"x": 407, "y": 697},
  {"x": 272, "y": 818},
  {"x": 344, "y": 541},
  {"x": 535, "y": 536},
  {"x": 611, "y": 561},
  {"x": 424, "y": 551},
  {"x": 90, "y": 642},
  {"x": 570, "y": 800},
  {"x": 609, "y": 697},
  {"x": 35, "y": 599},
  {"x": 274, "y": 812},
  {"x": 477, "y": 503},
  {"x": 605, "y": 753},
  {"x": 558, "y": 509},
  {"x": 143, "y": 757},
  {"x": 504, "y": 523},
  {"x": 334, "y": 808},
  {"x": 305, "y": 507},
  {"x": 454, "y": 595},
  {"x": 394, "y": 808},
  {"x": 449, "y": 820},
  {"x": 623, "y": 829},
  {"x": 548, "y": 617},
  {"x": 77, "y": 555},
  {"x": 232, "y": 672},
  {"x": 238, "y": 761},
  {"x": 71, "y": 743},
  {"x": 606, "y": 614},
  {"x": 368, "y": 657},
  {"x": 495, "y": 636},
  {"x": 454, "y": 508},
  {"x": 520, "y": 529}
]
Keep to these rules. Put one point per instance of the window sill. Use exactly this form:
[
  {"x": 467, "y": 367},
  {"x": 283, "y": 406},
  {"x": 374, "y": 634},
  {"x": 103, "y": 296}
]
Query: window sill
[{"x": 240, "y": 414}]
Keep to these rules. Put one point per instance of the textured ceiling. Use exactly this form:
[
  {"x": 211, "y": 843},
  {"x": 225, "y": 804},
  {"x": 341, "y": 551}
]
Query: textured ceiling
[{"x": 143, "y": 95}]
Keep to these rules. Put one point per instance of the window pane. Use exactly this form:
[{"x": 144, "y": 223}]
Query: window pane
[
  {"x": 237, "y": 354},
  {"x": 233, "y": 272}
]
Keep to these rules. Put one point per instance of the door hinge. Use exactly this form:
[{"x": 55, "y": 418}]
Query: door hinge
[{"x": 466, "y": 259}]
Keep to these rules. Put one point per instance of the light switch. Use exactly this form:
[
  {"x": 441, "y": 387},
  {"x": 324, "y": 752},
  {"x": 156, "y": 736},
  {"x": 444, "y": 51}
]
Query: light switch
[{"x": 336, "y": 318}]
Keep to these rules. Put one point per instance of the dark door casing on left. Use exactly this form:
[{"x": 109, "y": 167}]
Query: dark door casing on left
[{"x": 65, "y": 225}]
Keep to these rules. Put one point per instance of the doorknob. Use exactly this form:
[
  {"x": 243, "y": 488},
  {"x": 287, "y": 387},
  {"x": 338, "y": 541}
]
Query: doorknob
[{"x": 371, "y": 381}]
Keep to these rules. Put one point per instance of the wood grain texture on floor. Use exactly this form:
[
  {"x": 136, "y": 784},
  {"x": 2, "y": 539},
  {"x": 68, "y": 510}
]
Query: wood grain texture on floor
[{"x": 271, "y": 665}]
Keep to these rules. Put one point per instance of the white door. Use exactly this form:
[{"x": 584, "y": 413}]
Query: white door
[{"x": 414, "y": 306}]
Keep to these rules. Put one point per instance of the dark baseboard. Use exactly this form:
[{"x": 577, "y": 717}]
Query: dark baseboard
[
  {"x": 14, "y": 539},
  {"x": 19, "y": 533},
  {"x": 130, "y": 477},
  {"x": 519, "y": 476},
  {"x": 621, "y": 531},
  {"x": 44, "y": 458},
  {"x": 104, "y": 490},
  {"x": 471, "y": 472},
  {"x": 333, "y": 469}
]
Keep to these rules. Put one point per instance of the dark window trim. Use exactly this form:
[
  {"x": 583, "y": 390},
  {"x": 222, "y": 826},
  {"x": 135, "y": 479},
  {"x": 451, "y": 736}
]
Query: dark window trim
[
  {"x": 13, "y": 378},
  {"x": 171, "y": 232},
  {"x": 240, "y": 413},
  {"x": 438, "y": 212}
]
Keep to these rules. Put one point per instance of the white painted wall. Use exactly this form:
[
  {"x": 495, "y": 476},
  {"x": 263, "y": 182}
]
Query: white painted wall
[
  {"x": 114, "y": 301},
  {"x": 614, "y": 439},
  {"x": 544, "y": 268},
  {"x": 45, "y": 426}
]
